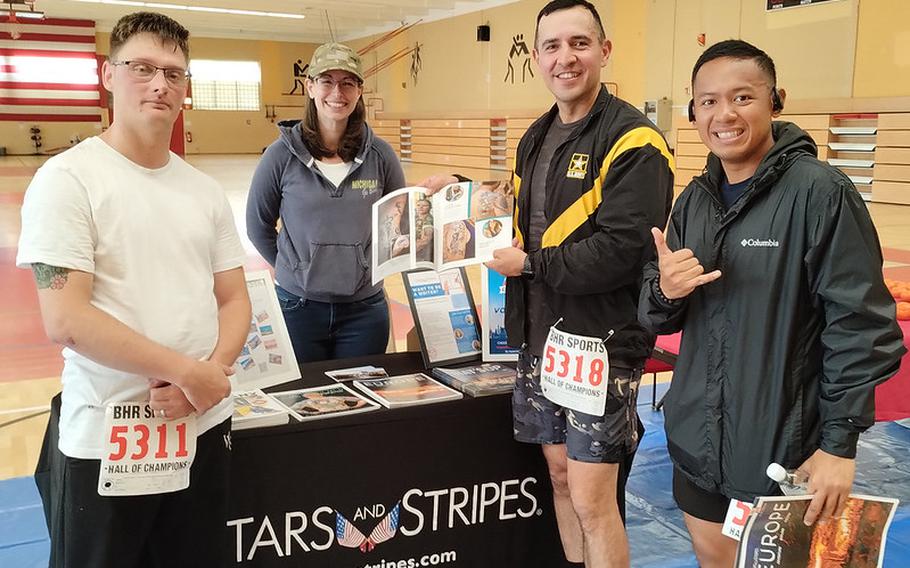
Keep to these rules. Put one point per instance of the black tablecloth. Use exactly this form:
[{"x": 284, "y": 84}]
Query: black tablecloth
[{"x": 467, "y": 493}]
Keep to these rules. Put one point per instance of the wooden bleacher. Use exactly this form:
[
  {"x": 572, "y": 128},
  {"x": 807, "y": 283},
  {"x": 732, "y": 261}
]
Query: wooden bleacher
[
  {"x": 869, "y": 139},
  {"x": 468, "y": 141}
]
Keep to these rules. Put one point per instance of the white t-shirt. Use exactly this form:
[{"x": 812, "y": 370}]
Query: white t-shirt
[
  {"x": 335, "y": 173},
  {"x": 153, "y": 240}
]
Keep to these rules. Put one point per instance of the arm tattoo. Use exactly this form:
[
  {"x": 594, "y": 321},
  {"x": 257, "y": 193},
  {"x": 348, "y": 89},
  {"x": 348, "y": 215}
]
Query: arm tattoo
[{"x": 52, "y": 277}]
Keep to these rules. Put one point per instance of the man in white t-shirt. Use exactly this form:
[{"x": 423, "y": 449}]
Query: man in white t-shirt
[{"x": 139, "y": 273}]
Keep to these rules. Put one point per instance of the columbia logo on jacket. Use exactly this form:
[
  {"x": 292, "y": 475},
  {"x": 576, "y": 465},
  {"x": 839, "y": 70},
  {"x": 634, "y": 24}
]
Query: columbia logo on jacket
[{"x": 759, "y": 243}]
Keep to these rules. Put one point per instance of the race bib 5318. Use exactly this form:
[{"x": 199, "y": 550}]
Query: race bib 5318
[{"x": 574, "y": 372}]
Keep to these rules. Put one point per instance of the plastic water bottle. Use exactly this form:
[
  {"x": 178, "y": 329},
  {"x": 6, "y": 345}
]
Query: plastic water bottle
[{"x": 792, "y": 482}]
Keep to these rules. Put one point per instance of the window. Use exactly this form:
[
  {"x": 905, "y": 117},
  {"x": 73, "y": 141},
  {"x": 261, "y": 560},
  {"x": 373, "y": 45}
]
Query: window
[{"x": 225, "y": 85}]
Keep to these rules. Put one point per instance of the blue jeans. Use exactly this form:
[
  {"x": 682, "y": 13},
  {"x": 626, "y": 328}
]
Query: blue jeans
[{"x": 320, "y": 331}]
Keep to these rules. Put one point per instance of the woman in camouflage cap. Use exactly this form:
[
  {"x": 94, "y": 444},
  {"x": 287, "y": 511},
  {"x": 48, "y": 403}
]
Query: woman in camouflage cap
[{"x": 321, "y": 178}]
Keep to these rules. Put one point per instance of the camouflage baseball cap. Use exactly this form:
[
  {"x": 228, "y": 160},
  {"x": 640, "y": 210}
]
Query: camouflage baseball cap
[{"x": 332, "y": 56}]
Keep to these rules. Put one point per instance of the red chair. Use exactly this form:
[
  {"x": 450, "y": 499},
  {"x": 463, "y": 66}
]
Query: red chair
[{"x": 662, "y": 359}]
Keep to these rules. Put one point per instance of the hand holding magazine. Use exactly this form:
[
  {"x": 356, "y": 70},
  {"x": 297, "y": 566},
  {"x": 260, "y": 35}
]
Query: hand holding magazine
[{"x": 462, "y": 224}]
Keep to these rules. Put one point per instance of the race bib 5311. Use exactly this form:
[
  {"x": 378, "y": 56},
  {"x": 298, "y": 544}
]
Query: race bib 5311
[{"x": 145, "y": 454}]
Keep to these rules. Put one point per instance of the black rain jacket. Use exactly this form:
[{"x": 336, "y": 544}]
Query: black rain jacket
[{"x": 781, "y": 355}]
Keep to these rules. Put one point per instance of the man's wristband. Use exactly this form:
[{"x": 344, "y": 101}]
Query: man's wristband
[
  {"x": 660, "y": 293},
  {"x": 527, "y": 269}
]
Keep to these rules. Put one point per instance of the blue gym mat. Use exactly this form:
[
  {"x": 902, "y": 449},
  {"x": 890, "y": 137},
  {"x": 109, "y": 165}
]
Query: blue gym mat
[{"x": 657, "y": 533}]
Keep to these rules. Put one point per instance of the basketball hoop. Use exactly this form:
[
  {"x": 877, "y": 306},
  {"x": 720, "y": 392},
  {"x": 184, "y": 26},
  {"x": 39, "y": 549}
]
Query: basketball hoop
[
  {"x": 13, "y": 26},
  {"x": 17, "y": 9}
]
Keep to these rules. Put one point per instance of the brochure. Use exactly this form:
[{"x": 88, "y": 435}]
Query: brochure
[
  {"x": 460, "y": 225},
  {"x": 495, "y": 343},
  {"x": 255, "y": 409},
  {"x": 267, "y": 357},
  {"x": 444, "y": 315},
  {"x": 323, "y": 402},
  {"x": 478, "y": 380},
  {"x": 407, "y": 390},
  {"x": 775, "y": 535}
]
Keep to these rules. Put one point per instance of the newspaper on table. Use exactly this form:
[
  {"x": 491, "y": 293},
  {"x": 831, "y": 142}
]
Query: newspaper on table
[{"x": 460, "y": 225}]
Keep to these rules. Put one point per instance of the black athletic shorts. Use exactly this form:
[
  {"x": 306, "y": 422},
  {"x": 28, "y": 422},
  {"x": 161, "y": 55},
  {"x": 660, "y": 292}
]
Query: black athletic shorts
[
  {"x": 698, "y": 502},
  {"x": 174, "y": 530}
]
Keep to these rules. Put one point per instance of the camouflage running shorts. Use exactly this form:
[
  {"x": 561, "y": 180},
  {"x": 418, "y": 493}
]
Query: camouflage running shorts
[{"x": 588, "y": 438}]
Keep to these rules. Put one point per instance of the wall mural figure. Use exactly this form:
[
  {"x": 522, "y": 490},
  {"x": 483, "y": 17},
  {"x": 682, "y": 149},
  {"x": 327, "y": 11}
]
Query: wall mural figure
[
  {"x": 416, "y": 64},
  {"x": 520, "y": 50},
  {"x": 299, "y": 74}
]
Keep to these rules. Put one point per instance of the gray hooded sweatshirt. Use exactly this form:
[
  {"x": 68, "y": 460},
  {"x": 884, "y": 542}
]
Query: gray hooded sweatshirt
[{"x": 322, "y": 251}]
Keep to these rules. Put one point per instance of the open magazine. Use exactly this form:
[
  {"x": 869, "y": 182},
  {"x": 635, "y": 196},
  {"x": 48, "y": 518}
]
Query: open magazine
[
  {"x": 775, "y": 536},
  {"x": 459, "y": 225}
]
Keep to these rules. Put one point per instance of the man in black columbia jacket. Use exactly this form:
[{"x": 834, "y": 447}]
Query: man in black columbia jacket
[{"x": 772, "y": 268}]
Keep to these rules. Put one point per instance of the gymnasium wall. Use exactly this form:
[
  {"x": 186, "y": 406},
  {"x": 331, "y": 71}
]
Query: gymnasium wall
[
  {"x": 883, "y": 49},
  {"x": 845, "y": 48}
]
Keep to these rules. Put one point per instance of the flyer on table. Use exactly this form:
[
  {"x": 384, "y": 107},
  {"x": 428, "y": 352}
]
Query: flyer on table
[
  {"x": 267, "y": 357},
  {"x": 446, "y": 318}
]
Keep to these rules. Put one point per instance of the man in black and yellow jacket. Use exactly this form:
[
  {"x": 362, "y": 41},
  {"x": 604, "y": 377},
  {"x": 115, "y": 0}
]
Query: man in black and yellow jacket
[{"x": 592, "y": 176}]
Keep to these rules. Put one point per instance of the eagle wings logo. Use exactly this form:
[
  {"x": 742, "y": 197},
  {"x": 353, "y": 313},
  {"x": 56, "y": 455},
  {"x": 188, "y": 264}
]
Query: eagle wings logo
[{"x": 350, "y": 536}]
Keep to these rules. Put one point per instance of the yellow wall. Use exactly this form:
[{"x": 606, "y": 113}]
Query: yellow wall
[
  {"x": 16, "y": 138},
  {"x": 460, "y": 74},
  {"x": 628, "y": 25},
  {"x": 883, "y": 49},
  {"x": 813, "y": 47}
]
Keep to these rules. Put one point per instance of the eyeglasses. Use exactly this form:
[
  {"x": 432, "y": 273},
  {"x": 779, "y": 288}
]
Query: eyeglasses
[
  {"x": 145, "y": 72},
  {"x": 326, "y": 83}
]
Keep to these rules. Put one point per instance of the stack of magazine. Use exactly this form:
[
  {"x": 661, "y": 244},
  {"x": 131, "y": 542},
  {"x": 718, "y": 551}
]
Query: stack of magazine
[
  {"x": 255, "y": 409},
  {"x": 478, "y": 380},
  {"x": 406, "y": 390}
]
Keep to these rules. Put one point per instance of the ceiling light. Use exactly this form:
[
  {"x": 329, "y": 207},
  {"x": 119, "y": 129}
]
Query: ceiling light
[{"x": 167, "y": 6}]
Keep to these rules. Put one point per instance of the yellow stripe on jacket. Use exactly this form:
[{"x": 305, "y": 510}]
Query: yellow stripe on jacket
[
  {"x": 516, "y": 187},
  {"x": 585, "y": 206}
]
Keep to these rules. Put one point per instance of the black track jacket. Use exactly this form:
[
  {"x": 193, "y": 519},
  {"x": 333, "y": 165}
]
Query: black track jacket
[{"x": 607, "y": 185}]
